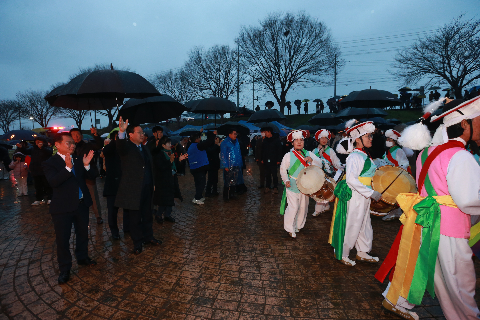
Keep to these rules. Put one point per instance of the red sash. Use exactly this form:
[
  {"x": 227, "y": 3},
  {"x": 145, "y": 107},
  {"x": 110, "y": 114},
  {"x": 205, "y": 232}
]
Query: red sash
[
  {"x": 326, "y": 156},
  {"x": 390, "y": 158},
  {"x": 391, "y": 259},
  {"x": 300, "y": 157}
]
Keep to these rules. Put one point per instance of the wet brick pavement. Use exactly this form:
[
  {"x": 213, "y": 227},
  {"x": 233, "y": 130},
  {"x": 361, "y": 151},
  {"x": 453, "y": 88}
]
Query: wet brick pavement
[{"x": 223, "y": 260}]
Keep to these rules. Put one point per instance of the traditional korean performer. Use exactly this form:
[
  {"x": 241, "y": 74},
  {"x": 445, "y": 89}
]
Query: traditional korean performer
[
  {"x": 330, "y": 161},
  {"x": 292, "y": 163},
  {"x": 351, "y": 224},
  {"x": 431, "y": 251}
]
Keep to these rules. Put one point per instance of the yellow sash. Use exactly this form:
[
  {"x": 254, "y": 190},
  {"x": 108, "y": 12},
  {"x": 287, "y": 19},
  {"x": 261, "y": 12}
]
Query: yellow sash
[{"x": 409, "y": 244}]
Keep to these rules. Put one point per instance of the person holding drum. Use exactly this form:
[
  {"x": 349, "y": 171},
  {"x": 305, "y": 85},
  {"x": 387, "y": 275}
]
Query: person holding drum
[
  {"x": 351, "y": 224},
  {"x": 330, "y": 160},
  {"x": 292, "y": 163},
  {"x": 395, "y": 156},
  {"x": 431, "y": 251}
]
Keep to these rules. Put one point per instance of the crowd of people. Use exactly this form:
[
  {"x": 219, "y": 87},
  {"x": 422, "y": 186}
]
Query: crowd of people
[{"x": 142, "y": 178}]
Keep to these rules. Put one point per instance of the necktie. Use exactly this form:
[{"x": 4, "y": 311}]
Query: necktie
[{"x": 80, "y": 194}]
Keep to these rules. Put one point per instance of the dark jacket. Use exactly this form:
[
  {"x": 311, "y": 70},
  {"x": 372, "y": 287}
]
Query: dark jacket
[
  {"x": 258, "y": 149},
  {"x": 65, "y": 184},
  {"x": 4, "y": 157},
  {"x": 213, "y": 154},
  {"x": 83, "y": 147},
  {"x": 114, "y": 169},
  {"x": 133, "y": 170},
  {"x": 166, "y": 186},
  {"x": 271, "y": 150},
  {"x": 38, "y": 156}
]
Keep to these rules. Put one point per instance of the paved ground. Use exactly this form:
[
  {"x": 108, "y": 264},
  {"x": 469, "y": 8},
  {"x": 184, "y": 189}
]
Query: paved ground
[{"x": 223, "y": 260}]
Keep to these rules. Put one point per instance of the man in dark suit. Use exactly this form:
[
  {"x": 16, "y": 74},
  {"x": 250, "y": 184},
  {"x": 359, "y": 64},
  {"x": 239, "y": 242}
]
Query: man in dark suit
[
  {"x": 66, "y": 174},
  {"x": 135, "y": 190}
]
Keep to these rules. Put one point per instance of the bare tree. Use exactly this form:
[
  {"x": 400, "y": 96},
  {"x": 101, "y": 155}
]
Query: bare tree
[
  {"x": 9, "y": 112},
  {"x": 77, "y": 115},
  {"x": 287, "y": 50},
  {"x": 175, "y": 84},
  {"x": 212, "y": 72},
  {"x": 450, "y": 55},
  {"x": 34, "y": 105}
]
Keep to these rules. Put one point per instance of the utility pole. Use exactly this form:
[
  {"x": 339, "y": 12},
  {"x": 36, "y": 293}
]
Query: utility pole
[
  {"x": 253, "y": 89},
  {"x": 238, "y": 75},
  {"x": 335, "y": 77}
]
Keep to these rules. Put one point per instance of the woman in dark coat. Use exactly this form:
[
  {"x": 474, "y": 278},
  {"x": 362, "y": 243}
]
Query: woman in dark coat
[{"x": 166, "y": 182}]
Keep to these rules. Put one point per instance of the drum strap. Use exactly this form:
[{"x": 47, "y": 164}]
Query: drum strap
[
  {"x": 326, "y": 156},
  {"x": 391, "y": 159}
]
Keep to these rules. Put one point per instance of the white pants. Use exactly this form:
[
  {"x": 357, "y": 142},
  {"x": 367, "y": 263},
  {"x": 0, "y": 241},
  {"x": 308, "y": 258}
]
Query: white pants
[
  {"x": 322, "y": 206},
  {"x": 22, "y": 186},
  {"x": 455, "y": 279},
  {"x": 401, "y": 302},
  {"x": 358, "y": 229},
  {"x": 296, "y": 212}
]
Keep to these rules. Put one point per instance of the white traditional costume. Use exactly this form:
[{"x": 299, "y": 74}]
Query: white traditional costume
[
  {"x": 351, "y": 224},
  {"x": 439, "y": 218},
  {"x": 293, "y": 162},
  {"x": 330, "y": 161}
]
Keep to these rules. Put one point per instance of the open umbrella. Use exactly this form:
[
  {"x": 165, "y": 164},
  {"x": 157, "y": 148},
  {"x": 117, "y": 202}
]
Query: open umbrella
[
  {"x": 435, "y": 88},
  {"x": 100, "y": 89},
  {"x": 266, "y": 116},
  {"x": 274, "y": 127},
  {"x": 214, "y": 105},
  {"x": 370, "y": 98},
  {"x": 191, "y": 104},
  {"x": 305, "y": 100},
  {"x": 28, "y": 135},
  {"x": 151, "y": 110},
  {"x": 210, "y": 126},
  {"x": 405, "y": 89},
  {"x": 188, "y": 130},
  {"x": 227, "y": 126},
  {"x": 350, "y": 113},
  {"x": 323, "y": 119}
]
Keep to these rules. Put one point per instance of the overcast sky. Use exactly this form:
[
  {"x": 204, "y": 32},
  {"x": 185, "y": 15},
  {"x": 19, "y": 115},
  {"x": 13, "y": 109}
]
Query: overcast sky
[{"x": 44, "y": 42}]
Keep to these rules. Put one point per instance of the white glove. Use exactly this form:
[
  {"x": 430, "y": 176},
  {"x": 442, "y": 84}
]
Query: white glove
[{"x": 376, "y": 195}]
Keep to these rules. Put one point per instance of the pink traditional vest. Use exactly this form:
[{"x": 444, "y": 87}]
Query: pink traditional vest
[{"x": 453, "y": 223}]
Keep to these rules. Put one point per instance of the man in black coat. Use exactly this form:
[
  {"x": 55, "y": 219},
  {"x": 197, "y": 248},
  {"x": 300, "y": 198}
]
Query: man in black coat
[
  {"x": 136, "y": 185},
  {"x": 213, "y": 155},
  {"x": 39, "y": 153},
  {"x": 81, "y": 149},
  {"x": 112, "y": 180},
  {"x": 271, "y": 157},
  {"x": 66, "y": 173}
]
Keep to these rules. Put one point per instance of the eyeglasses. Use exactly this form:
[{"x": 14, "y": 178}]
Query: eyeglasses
[
  {"x": 369, "y": 136},
  {"x": 139, "y": 132}
]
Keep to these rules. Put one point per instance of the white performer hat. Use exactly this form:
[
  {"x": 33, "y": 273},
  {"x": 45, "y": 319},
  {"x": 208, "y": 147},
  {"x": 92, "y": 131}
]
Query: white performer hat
[
  {"x": 361, "y": 129},
  {"x": 467, "y": 110},
  {"x": 323, "y": 133},
  {"x": 341, "y": 148},
  {"x": 392, "y": 134},
  {"x": 297, "y": 134}
]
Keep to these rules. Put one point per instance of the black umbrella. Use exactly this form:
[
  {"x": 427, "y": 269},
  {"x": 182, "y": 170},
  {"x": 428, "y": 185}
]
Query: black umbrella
[
  {"x": 227, "y": 126},
  {"x": 349, "y": 113},
  {"x": 266, "y": 116},
  {"x": 94, "y": 90},
  {"x": 28, "y": 135},
  {"x": 370, "y": 98},
  {"x": 191, "y": 104},
  {"x": 214, "y": 105},
  {"x": 323, "y": 119},
  {"x": 274, "y": 127},
  {"x": 405, "y": 89},
  {"x": 210, "y": 126},
  {"x": 151, "y": 110}
]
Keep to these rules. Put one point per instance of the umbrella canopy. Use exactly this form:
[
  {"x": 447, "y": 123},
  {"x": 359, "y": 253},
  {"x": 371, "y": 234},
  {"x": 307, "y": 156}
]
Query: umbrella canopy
[
  {"x": 350, "y": 113},
  {"x": 274, "y": 127},
  {"x": 188, "y": 130},
  {"x": 28, "y": 135},
  {"x": 100, "y": 89},
  {"x": 323, "y": 119},
  {"x": 151, "y": 110},
  {"x": 370, "y": 98},
  {"x": 191, "y": 104},
  {"x": 405, "y": 89},
  {"x": 435, "y": 88},
  {"x": 210, "y": 126},
  {"x": 252, "y": 127},
  {"x": 312, "y": 129},
  {"x": 317, "y": 100},
  {"x": 266, "y": 116},
  {"x": 227, "y": 126},
  {"x": 214, "y": 106}
]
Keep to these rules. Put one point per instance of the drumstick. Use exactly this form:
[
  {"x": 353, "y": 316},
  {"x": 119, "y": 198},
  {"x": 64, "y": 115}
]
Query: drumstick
[{"x": 392, "y": 182}]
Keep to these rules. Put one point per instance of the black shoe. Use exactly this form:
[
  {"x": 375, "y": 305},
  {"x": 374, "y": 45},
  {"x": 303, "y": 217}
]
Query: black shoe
[
  {"x": 170, "y": 219},
  {"x": 87, "y": 262},
  {"x": 154, "y": 242},
  {"x": 63, "y": 277},
  {"x": 115, "y": 237},
  {"x": 137, "y": 251},
  {"x": 159, "y": 219}
]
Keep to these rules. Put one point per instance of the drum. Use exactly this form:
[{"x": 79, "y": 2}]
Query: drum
[
  {"x": 313, "y": 182},
  {"x": 390, "y": 181}
]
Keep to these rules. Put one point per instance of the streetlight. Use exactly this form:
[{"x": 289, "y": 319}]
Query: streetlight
[{"x": 33, "y": 123}]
